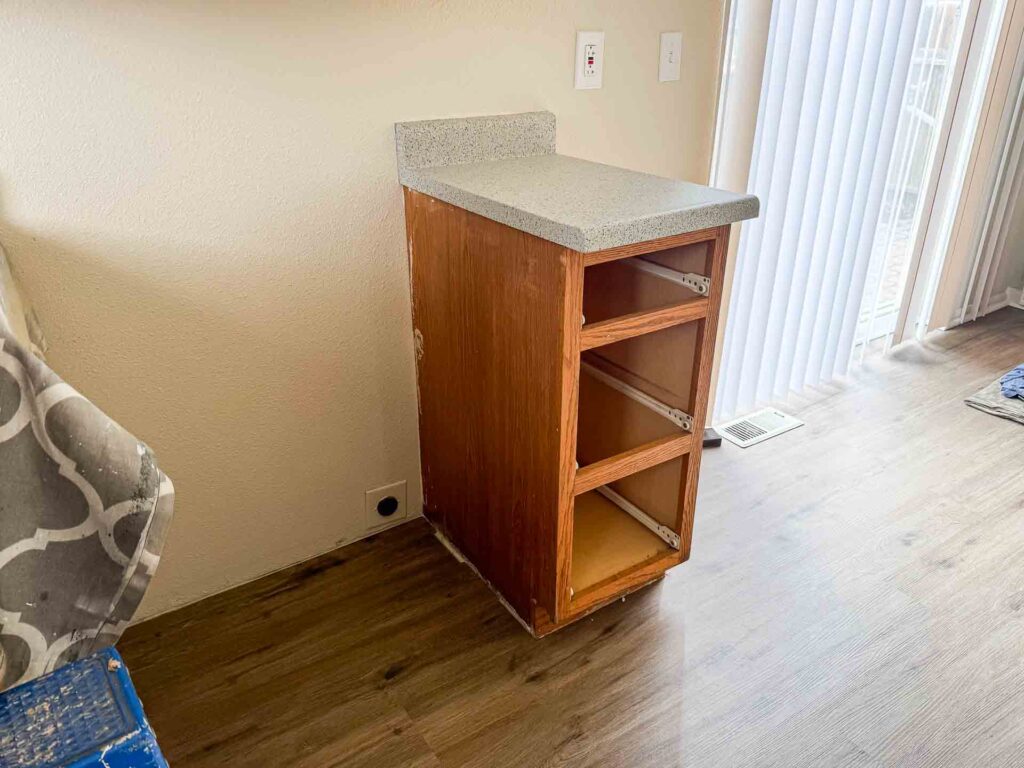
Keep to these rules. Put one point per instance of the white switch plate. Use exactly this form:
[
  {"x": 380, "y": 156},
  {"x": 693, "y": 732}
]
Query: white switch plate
[
  {"x": 671, "y": 53},
  {"x": 396, "y": 491},
  {"x": 589, "y": 59}
]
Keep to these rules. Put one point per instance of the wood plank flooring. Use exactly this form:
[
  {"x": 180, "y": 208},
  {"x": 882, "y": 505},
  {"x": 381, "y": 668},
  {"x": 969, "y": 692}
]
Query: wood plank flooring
[{"x": 855, "y": 598}]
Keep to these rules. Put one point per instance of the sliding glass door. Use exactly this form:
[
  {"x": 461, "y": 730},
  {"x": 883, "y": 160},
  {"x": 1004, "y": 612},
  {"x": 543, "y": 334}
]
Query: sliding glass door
[
  {"x": 853, "y": 126},
  {"x": 906, "y": 195}
]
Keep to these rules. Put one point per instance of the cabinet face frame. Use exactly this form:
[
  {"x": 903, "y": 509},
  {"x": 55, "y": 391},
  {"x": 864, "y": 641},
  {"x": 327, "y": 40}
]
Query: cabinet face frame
[{"x": 568, "y": 605}]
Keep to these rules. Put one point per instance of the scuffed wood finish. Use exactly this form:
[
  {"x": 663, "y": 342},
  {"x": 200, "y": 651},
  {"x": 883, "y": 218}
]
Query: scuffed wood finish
[
  {"x": 495, "y": 371},
  {"x": 853, "y": 602}
]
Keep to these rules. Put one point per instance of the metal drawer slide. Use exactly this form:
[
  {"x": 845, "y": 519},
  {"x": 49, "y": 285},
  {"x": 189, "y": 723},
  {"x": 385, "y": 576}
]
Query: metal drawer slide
[{"x": 678, "y": 417}]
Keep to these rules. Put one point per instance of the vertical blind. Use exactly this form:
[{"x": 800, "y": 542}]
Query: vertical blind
[{"x": 827, "y": 166}]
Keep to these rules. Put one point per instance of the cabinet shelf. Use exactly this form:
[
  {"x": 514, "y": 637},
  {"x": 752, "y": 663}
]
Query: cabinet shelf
[{"x": 607, "y": 542}]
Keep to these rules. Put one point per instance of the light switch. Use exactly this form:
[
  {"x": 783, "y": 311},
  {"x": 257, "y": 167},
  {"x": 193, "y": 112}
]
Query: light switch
[
  {"x": 589, "y": 59},
  {"x": 671, "y": 53}
]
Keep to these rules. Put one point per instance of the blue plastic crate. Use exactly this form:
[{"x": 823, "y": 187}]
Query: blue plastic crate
[{"x": 83, "y": 715}]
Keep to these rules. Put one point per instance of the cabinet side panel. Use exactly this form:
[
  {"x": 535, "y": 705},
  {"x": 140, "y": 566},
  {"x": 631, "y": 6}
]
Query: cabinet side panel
[{"x": 488, "y": 316}]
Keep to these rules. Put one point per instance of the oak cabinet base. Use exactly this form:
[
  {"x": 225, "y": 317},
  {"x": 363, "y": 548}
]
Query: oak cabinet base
[{"x": 559, "y": 395}]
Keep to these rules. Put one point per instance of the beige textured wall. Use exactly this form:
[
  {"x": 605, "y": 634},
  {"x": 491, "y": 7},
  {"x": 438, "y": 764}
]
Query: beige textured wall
[{"x": 200, "y": 198}]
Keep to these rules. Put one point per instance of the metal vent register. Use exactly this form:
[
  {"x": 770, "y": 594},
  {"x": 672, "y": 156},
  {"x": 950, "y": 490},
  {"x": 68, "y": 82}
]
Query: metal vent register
[{"x": 758, "y": 427}]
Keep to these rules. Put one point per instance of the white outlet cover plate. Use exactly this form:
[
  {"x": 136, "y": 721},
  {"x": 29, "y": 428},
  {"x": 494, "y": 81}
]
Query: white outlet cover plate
[
  {"x": 398, "y": 490},
  {"x": 589, "y": 60},
  {"x": 671, "y": 53}
]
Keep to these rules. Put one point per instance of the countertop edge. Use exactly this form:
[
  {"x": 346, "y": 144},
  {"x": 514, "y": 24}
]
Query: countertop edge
[
  {"x": 671, "y": 223},
  {"x": 563, "y": 234},
  {"x": 613, "y": 235}
]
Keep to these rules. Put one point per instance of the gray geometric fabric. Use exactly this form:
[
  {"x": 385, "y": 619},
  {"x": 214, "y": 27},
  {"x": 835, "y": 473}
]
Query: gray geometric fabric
[{"x": 84, "y": 512}]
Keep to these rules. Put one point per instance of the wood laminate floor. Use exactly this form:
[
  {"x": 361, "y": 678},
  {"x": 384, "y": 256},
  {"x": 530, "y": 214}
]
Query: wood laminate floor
[{"x": 855, "y": 598}]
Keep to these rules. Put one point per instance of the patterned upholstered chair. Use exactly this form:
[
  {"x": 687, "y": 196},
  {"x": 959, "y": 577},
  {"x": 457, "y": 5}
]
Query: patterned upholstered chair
[{"x": 84, "y": 510}]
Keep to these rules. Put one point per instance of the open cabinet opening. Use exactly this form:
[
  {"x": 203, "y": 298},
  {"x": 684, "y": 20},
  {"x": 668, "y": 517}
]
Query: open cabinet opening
[
  {"x": 634, "y": 392},
  {"x": 624, "y": 525},
  {"x": 643, "y": 283}
]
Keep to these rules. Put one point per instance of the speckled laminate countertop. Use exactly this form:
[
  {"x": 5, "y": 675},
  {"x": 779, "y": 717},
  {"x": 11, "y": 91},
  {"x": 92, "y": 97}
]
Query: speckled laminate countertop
[{"x": 505, "y": 168}]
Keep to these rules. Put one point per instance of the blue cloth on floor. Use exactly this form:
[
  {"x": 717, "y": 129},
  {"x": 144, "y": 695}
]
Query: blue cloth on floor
[{"x": 1012, "y": 384}]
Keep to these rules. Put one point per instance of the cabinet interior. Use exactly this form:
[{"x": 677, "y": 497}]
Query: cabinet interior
[
  {"x": 633, "y": 393},
  {"x": 608, "y": 538},
  {"x": 627, "y": 286}
]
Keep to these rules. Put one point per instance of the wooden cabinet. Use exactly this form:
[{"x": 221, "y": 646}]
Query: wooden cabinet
[{"x": 562, "y": 396}]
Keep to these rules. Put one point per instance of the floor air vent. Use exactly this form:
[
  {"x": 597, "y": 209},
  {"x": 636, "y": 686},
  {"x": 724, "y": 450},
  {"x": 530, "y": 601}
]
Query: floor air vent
[{"x": 757, "y": 427}]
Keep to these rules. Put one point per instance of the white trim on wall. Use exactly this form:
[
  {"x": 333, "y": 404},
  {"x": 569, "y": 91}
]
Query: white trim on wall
[
  {"x": 958, "y": 293},
  {"x": 745, "y": 40},
  {"x": 1015, "y": 297},
  {"x": 995, "y": 302}
]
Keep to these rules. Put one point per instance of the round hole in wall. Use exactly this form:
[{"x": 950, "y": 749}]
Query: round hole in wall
[{"x": 387, "y": 506}]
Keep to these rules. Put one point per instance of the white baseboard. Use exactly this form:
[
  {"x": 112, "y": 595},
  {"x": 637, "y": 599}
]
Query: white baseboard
[
  {"x": 1011, "y": 297},
  {"x": 1015, "y": 297}
]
